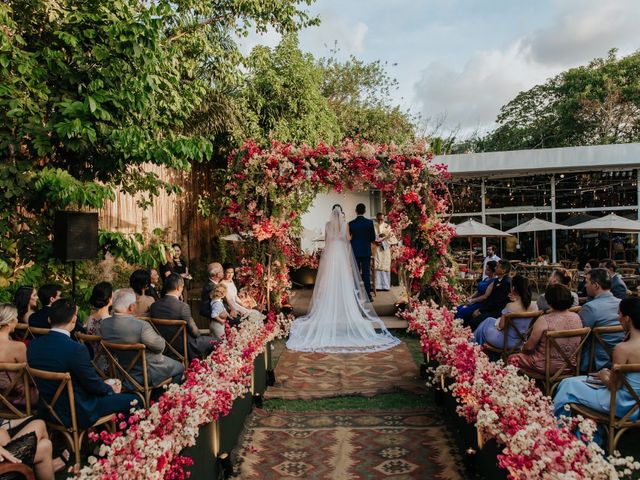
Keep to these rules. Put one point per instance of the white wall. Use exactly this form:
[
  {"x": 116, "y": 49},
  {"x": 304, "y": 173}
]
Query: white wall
[{"x": 318, "y": 214}]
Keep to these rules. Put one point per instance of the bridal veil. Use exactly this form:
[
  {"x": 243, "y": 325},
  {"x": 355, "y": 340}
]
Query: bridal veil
[{"x": 340, "y": 318}]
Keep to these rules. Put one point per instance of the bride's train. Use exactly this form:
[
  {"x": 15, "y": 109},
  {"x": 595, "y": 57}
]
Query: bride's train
[{"x": 340, "y": 319}]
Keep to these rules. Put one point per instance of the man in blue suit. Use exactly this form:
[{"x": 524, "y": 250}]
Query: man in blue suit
[
  {"x": 56, "y": 352},
  {"x": 363, "y": 234}
]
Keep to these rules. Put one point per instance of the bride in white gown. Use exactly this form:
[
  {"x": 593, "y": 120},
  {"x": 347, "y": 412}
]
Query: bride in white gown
[{"x": 340, "y": 319}]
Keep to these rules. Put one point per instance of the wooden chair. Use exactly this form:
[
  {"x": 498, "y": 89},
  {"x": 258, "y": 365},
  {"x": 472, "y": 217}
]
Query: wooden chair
[
  {"x": 178, "y": 339},
  {"x": 22, "y": 332},
  {"x": 18, "y": 372},
  {"x": 571, "y": 363},
  {"x": 123, "y": 360},
  {"x": 85, "y": 338},
  {"x": 19, "y": 468},
  {"x": 597, "y": 339},
  {"x": 575, "y": 278},
  {"x": 38, "y": 332},
  {"x": 615, "y": 426},
  {"x": 504, "y": 350},
  {"x": 72, "y": 434},
  {"x": 576, "y": 309}
]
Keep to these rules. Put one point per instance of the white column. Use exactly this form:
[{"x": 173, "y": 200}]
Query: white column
[
  {"x": 484, "y": 217},
  {"x": 553, "y": 219},
  {"x": 638, "y": 205}
]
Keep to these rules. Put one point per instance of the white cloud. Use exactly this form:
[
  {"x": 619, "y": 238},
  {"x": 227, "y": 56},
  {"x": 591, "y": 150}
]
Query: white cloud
[
  {"x": 583, "y": 30},
  {"x": 472, "y": 95},
  {"x": 334, "y": 29}
]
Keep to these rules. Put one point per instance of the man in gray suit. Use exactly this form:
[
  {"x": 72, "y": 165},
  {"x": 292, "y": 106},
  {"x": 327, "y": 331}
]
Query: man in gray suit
[
  {"x": 602, "y": 311},
  {"x": 123, "y": 327},
  {"x": 170, "y": 307}
]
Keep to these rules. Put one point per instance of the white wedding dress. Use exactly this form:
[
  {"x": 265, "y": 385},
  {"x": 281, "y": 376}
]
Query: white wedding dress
[{"x": 340, "y": 317}]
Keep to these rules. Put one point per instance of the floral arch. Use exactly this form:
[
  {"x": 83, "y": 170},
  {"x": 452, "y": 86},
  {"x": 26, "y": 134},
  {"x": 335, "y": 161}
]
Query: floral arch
[{"x": 268, "y": 190}]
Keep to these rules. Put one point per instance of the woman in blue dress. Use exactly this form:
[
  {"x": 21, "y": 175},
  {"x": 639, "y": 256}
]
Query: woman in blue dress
[
  {"x": 598, "y": 397},
  {"x": 491, "y": 330},
  {"x": 484, "y": 289}
]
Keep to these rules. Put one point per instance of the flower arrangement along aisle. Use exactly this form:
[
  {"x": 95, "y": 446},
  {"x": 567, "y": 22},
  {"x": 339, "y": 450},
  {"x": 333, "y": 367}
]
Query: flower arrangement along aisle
[
  {"x": 268, "y": 190},
  {"x": 509, "y": 407},
  {"x": 148, "y": 445}
]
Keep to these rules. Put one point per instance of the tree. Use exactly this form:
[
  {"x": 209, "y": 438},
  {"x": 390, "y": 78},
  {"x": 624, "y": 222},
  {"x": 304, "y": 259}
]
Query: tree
[
  {"x": 359, "y": 93},
  {"x": 283, "y": 97},
  {"x": 91, "y": 92},
  {"x": 590, "y": 105}
]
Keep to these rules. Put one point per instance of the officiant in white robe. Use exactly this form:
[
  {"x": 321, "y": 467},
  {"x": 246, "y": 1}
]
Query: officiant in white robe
[{"x": 382, "y": 254}]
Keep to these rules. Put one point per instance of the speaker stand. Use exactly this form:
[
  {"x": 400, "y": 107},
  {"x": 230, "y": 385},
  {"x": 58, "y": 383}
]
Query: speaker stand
[{"x": 73, "y": 280}]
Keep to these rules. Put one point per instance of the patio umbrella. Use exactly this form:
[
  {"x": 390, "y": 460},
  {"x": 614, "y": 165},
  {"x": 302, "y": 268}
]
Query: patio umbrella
[
  {"x": 536, "y": 225},
  {"x": 471, "y": 229},
  {"x": 576, "y": 219},
  {"x": 610, "y": 223}
]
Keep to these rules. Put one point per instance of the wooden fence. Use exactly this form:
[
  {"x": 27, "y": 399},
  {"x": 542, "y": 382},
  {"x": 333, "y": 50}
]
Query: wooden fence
[{"x": 175, "y": 214}]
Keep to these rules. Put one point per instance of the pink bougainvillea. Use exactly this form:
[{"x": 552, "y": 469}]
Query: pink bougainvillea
[
  {"x": 267, "y": 190},
  {"x": 509, "y": 407}
]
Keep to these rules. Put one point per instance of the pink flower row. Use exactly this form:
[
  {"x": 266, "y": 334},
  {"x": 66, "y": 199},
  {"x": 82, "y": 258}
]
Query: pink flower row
[
  {"x": 506, "y": 406},
  {"x": 149, "y": 442}
]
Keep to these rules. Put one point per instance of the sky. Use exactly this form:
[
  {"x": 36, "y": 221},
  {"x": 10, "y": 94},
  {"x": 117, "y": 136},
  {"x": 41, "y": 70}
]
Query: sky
[{"x": 458, "y": 61}]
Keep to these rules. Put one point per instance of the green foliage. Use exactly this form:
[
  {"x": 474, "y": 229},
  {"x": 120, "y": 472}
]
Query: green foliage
[
  {"x": 283, "y": 97},
  {"x": 590, "y": 105},
  {"x": 133, "y": 248},
  {"x": 359, "y": 94},
  {"x": 93, "y": 92}
]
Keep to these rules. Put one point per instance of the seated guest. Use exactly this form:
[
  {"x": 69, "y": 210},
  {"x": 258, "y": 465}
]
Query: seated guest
[
  {"x": 26, "y": 301},
  {"x": 491, "y": 330},
  {"x": 484, "y": 289},
  {"x": 123, "y": 327},
  {"x": 12, "y": 351},
  {"x": 533, "y": 356},
  {"x": 582, "y": 284},
  {"x": 152, "y": 289},
  {"x": 56, "y": 352},
  {"x": 242, "y": 306},
  {"x": 26, "y": 440},
  {"x": 575, "y": 390},
  {"x": 100, "y": 302},
  {"x": 618, "y": 287},
  {"x": 497, "y": 300},
  {"x": 140, "y": 281},
  {"x": 214, "y": 272},
  {"x": 47, "y": 294},
  {"x": 558, "y": 276},
  {"x": 219, "y": 315},
  {"x": 170, "y": 307},
  {"x": 602, "y": 311}
]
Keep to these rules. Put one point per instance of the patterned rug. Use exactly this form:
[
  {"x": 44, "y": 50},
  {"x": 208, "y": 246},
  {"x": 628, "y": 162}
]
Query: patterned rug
[
  {"x": 347, "y": 445},
  {"x": 305, "y": 376}
]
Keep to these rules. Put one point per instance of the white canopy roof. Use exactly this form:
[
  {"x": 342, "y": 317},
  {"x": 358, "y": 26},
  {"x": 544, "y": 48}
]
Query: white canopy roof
[{"x": 544, "y": 160}]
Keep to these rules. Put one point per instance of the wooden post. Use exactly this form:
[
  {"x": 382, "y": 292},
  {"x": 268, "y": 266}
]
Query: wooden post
[{"x": 268, "y": 295}]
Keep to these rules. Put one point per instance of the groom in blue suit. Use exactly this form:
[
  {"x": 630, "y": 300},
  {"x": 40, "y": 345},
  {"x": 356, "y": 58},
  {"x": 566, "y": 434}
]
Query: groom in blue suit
[{"x": 362, "y": 235}]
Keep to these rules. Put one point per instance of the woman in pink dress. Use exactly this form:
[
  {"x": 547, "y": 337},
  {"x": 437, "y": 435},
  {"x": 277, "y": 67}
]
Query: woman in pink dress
[{"x": 533, "y": 353}]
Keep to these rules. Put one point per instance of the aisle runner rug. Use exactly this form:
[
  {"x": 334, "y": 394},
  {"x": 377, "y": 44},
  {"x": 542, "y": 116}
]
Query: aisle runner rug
[
  {"x": 348, "y": 445},
  {"x": 305, "y": 376}
]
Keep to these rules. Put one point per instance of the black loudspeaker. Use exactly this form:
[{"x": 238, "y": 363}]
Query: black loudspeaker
[{"x": 75, "y": 236}]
